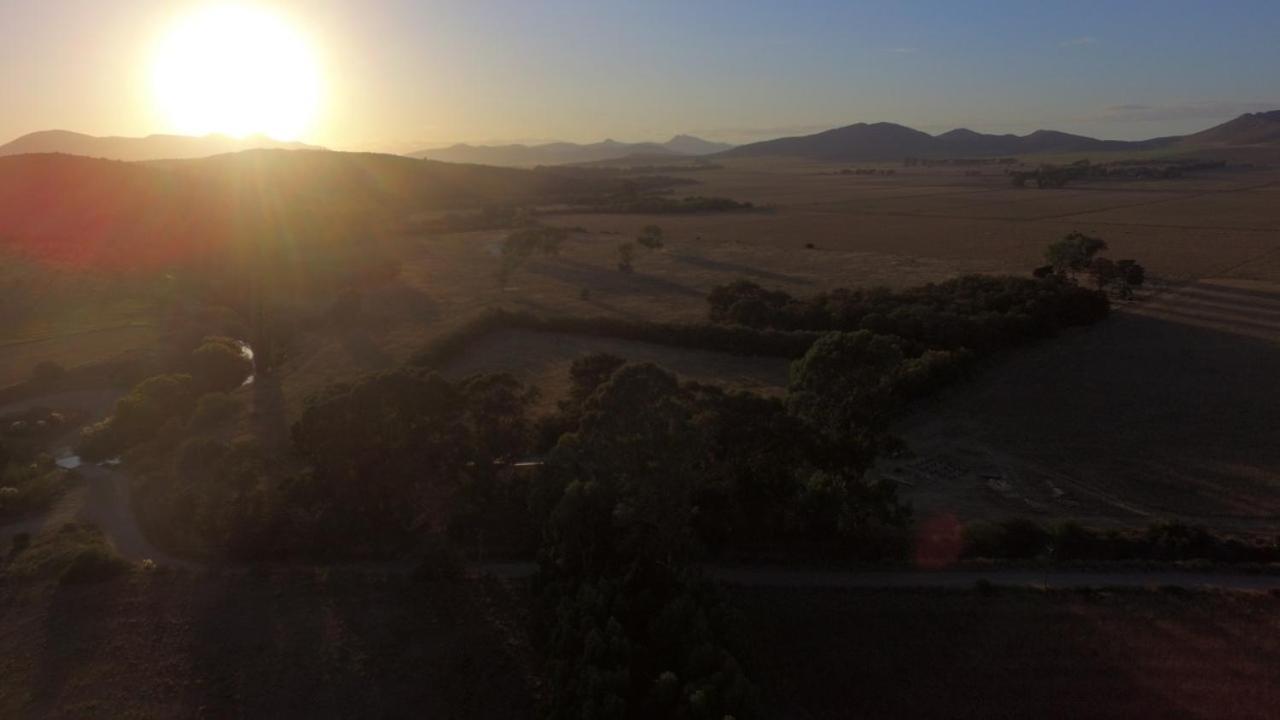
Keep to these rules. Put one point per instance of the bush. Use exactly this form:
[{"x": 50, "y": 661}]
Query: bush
[
  {"x": 732, "y": 339},
  {"x": 20, "y": 542},
  {"x": 93, "y": 565},
  {"x": 47, "y": 372},
  {"x": 438, "y": 561},
  {"x": 219, "y": 365},
  {"x": 157, "y": 407},
  {"x": 1018, "y": 539},
  {"x": 214, "y": 409},
  {"x": 977, "y": 312}
]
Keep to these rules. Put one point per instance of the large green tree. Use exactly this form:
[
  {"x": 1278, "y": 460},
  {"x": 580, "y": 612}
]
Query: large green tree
[{"x": 845, "y": 389}]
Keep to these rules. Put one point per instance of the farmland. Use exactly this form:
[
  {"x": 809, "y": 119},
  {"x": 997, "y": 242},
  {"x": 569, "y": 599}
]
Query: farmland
[
  {"x": 887, "y": 654},
  {"x": 1162, "y": 411}
]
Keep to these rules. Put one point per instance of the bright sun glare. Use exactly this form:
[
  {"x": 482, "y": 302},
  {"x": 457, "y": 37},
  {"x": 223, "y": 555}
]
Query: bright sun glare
[{"x": 237, "y": 70}]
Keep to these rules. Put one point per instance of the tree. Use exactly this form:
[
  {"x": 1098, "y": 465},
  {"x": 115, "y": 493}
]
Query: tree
[
  {"x": 219, "y": 365},
  {"x": 744, "y": 302},
  {"x": 634, "y": 460},
  {"x": 626, "y": 256},
  {"x": 153, "y": 404},
  {"x": 755, "y": 453},
  {"x": 1131, "y": 275},
  {"x": 47, "y": 372},
  {"x": 497, "y": 409},
  {"x": 650, "y": 237},
  {"x": 1073, "y": 253},
  {"x": 844, "y": 388},
  {"x": 386, "y": 454},
  {"x": 631, "y": 633},
  {"x": 528, "y": 240},
  {"x": 1104, "y": 272}
]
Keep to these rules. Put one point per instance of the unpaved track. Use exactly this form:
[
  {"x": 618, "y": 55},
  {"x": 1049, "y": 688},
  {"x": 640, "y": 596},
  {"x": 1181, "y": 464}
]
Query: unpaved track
[
  {"x": 101, "y": 497},
  {"x": 788, "y": 577}
]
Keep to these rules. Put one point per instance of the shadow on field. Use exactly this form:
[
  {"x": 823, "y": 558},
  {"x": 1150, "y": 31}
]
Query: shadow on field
[
  {"x": 269, "y": 416},
  {"x": 737, "y": 268},
  {"x": 351, "y": 644},
  {"x": 363, "y": 351},
  {"x": 1166, "y": 409},
  {"x": 881, "y": 654},
  {"x": 298, "y": 643},
  {"x": 578, "y": 273}
]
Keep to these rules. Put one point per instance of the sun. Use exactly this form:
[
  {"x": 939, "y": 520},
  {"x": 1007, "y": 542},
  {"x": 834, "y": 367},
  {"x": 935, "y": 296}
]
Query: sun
[{"x": 236, "y": 70}]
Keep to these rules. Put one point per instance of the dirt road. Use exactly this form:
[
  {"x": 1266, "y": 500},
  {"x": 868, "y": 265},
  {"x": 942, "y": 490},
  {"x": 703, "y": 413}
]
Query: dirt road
[{"x": 782, "y": 576}]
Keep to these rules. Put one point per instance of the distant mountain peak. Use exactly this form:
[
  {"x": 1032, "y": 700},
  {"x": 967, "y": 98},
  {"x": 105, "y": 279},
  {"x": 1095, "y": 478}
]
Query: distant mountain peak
[
  {"x": 151, "y": 147},
  {"x": 888, "y": 142},
  {"x": 563, "y": 153}
]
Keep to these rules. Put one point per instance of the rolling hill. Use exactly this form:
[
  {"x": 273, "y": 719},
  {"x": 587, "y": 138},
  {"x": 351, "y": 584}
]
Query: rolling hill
[
  {"x": 563, "y": 153},
  {"x": 1249, "y": 129},
  {"x": 152, "y": 147},
  {"x": 880, "y": 142},
  {"x": 94, "y": 212}
]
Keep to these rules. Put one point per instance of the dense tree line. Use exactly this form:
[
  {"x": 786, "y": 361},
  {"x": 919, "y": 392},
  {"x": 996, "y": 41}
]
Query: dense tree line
[
  {"x": 736, "y": 340},
  {"x": 651, "y": 204},
  {"x": 978, "y": 312},
  {"x": 1021, "y": 538},
  {"x": 161, "y": 406}
]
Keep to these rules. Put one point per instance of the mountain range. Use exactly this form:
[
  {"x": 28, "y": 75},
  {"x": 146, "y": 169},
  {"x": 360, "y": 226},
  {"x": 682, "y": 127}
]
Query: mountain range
[
  {"x": 861, "y": 142},
  {"x": 891, "y": 142},
  {"x": 564, "y": 153},
  {"x": 152, "y": 147}
]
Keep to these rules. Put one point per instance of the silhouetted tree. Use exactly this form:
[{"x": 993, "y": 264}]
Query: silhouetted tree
[
  {"x": 1073, "y": 253},
  {"x": 650, "y": 237},
  {"x": 626, "y": 257},
  {"x": 523, "y": 243},
  {"x": 844, "y": 388},
  {"x": 218, "y": 365}
]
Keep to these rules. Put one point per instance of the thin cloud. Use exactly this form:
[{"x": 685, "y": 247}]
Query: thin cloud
[
  {"x": 1202, "y": 110},
  {"x": 751, "y": 134},
  {"x": 1079, "y": 42}
]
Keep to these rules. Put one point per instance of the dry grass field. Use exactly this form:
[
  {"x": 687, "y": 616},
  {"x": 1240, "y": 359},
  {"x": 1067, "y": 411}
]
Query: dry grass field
[
  {"x": 930, "y": 654},
  {"x": 317, "y": 644},
  {"x": 543, "y": 359},
  {"x": 343, "y": 643},
  {"x": 1166, "y": 409},
  {"x": 71, "y": 318}
]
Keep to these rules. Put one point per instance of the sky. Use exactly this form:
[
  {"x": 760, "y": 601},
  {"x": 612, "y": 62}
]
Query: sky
[{"x": 397, "y": 75}]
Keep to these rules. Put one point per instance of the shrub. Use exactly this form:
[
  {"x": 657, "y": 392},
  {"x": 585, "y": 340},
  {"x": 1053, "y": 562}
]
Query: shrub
[
  {"x": 438, "y": 561},
  {"x": 219, "y": 365},
  {"x": 47, "y": 372},
  {"x": 978, "y": 312},
  {"x": 93, "y": 565},
  {"x": 214, "y": 409},
  {"x": 1017, "y": 538},
  {"x": 157, "y": 406},
  {"x": 21, "y": 541}
]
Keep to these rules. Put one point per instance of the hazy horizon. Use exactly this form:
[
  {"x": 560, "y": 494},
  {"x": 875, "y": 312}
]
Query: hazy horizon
[{"x": 399, "y": 76}]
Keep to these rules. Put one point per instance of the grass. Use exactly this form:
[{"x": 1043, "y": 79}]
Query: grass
[
  {"x": 543, "y": 359},
  {"x": 920, "y": 225},
  {"x": 1166, "y": 410},
  {"x": 1011, "y": 653},
  {"x": 70, "y": 317},
  {"x": 311, "y": 643},
  {"x": 72, "y": 554},
  {"x": 37, "y": 487}
]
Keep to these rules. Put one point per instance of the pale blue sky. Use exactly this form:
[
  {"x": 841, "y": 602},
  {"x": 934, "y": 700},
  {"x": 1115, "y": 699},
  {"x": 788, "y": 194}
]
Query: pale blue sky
[{"x": 402, "y": 73}]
